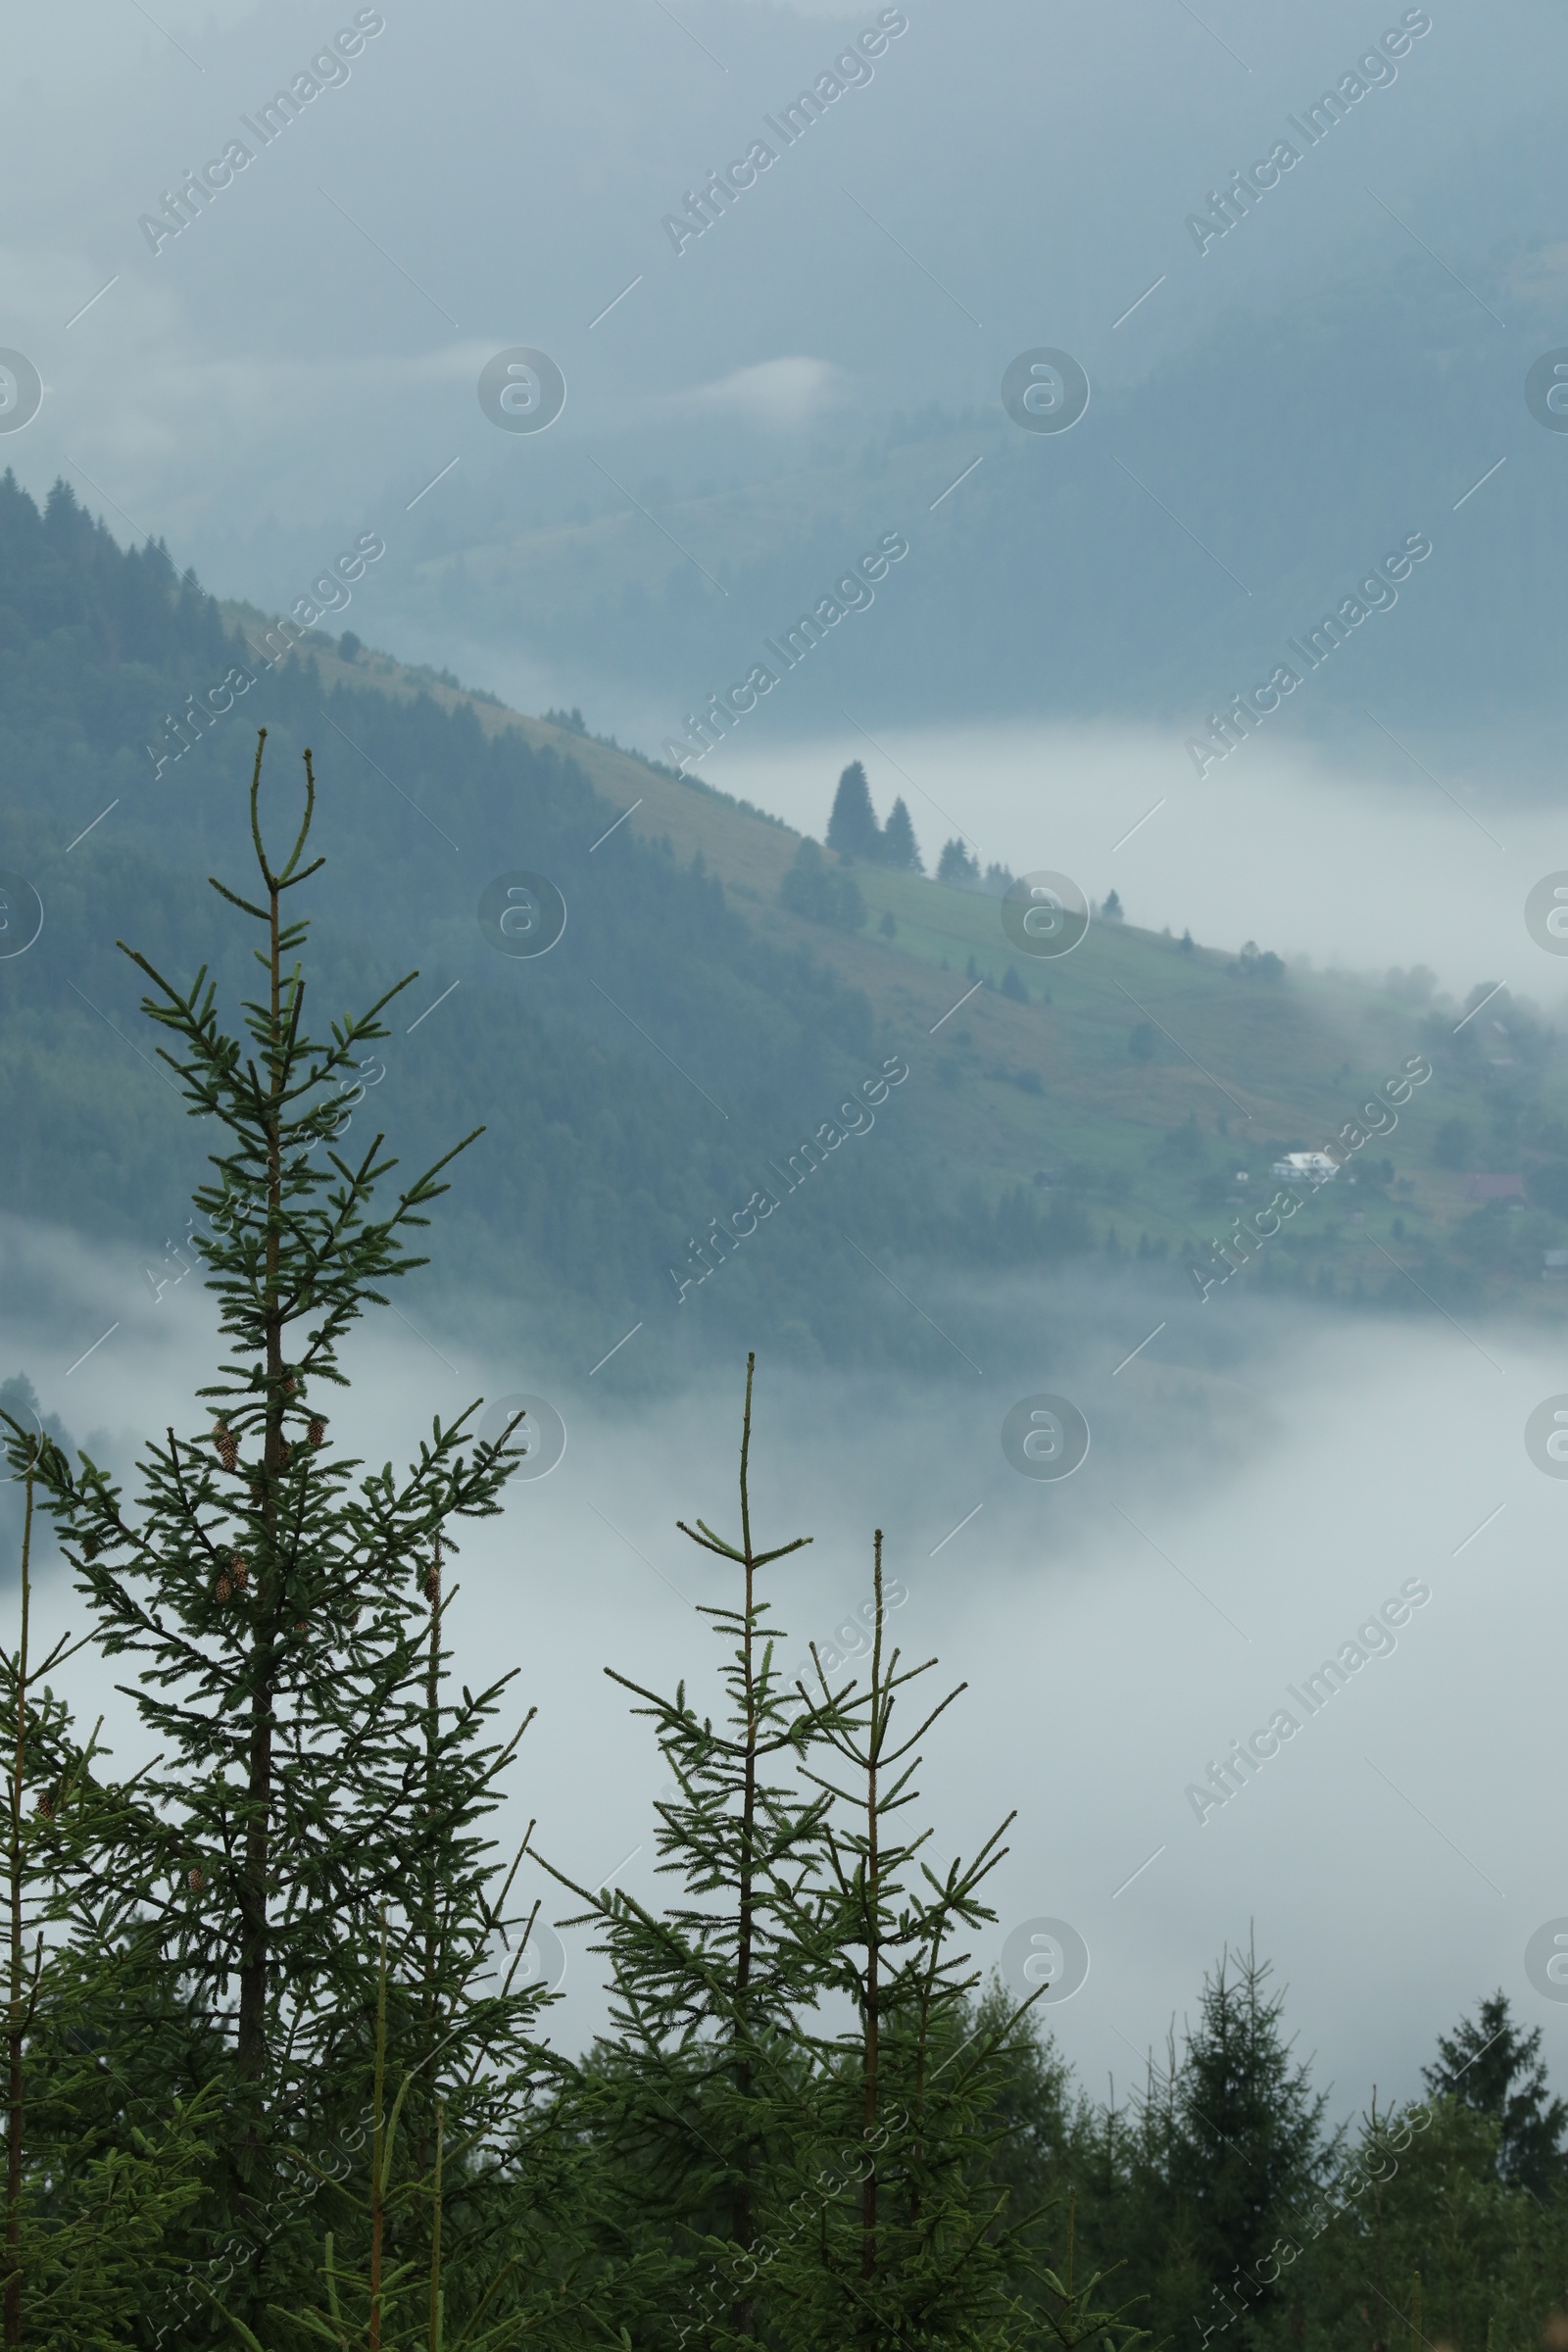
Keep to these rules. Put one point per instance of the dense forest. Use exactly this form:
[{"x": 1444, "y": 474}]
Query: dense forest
[{"x": 278, "y": 2065}]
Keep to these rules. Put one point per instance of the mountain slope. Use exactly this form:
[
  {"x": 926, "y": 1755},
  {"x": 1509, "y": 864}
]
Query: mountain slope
[{"x": 653, "y": 1074}]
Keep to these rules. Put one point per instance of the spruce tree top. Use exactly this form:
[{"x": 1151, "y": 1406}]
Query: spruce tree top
[
  {"x": 853, "y": 829},
  {"x": 1488, "y": 2063},
  {"x": 273, "y": 1599},
  {"x": 899, "y": 849}
]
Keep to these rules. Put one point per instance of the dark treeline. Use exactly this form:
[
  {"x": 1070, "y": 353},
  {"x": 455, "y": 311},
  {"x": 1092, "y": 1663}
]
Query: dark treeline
[{"x": 277, "y": 2066}]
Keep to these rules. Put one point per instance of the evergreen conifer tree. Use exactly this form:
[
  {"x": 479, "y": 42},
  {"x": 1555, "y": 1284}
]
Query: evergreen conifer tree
[
  {"x": 852, "y": 828},
  {"x": 917, "y": 2246},
  {"x": 1416, "y": 2221},
  {"x": 99, "y": 2175},
  {"x": 899, "y": 849},
  {"x": 1244, "y": 2145},
  {"x": 19, "y": 1408},
  {"x": 285, "y": 1627},
  {"x": 706, "y": 2090},
  {"x": 1488, "y": 2064}
]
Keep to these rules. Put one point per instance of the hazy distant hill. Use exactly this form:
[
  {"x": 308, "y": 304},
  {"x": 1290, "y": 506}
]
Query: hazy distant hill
[{"x": 1153, "y": 561}]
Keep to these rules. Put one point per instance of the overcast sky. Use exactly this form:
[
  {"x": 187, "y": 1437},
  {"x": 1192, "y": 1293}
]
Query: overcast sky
[{"x": 306, "y": 353}]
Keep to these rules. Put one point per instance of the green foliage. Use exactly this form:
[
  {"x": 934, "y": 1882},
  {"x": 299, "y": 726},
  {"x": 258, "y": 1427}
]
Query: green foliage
[
  {"x": 774, "y": 2180},
  {"x": 1418, "y": 2238},
  {"x": 99, "y": 2175},
  {"x": 812, "y": 888},
  {"x": 707, "y": 2094},
  {"x": 919, "y": 2246},
  {"x": 285, "y": 1617},
  {"x": 1240, "y": 2132},
  {"x": 1486, "y": 2063},
  {"x": 19, "y": 1403}
]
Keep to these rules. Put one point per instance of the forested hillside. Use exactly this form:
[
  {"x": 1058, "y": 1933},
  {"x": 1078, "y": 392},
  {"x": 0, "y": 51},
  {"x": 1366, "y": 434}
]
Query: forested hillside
[{"x": 646, "y": 1082}]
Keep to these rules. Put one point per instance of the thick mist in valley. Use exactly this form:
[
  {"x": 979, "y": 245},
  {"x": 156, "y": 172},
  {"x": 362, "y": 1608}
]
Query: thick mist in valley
[
  {"x": 1339, "y": 859},
  {"x": 1262, "y": 1478}
]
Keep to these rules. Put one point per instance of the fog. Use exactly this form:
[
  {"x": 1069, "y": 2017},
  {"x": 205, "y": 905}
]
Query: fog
[
  {"x": 1310, "y": 854},
  {"x": 1228, "y": 1530}
]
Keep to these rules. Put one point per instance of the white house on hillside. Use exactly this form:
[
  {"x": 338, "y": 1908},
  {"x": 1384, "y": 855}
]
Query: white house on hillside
[{"x": 1316, "y": 1166}]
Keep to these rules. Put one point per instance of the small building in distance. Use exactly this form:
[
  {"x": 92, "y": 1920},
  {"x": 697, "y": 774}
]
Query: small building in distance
[{"x": 1315, "y": 1165}]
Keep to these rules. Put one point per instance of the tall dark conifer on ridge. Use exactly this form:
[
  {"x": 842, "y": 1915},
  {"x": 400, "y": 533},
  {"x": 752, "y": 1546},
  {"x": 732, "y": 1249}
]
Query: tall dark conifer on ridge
[{"x": 852, "y": 828}]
